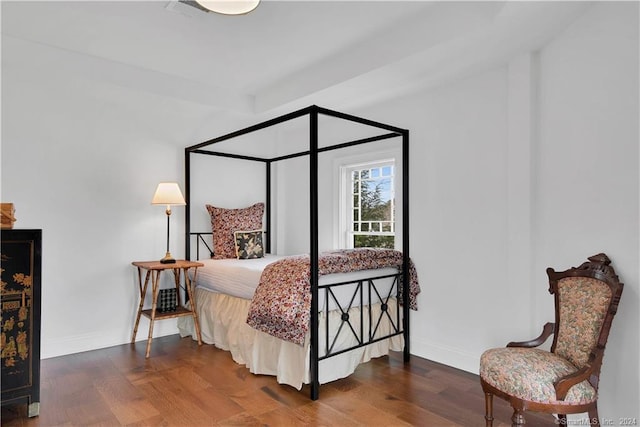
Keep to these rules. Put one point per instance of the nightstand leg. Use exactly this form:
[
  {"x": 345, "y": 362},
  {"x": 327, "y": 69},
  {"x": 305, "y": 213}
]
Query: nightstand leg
[
  {"x": 176, "y": 276},
  {"x": 154, "y": 288},
  {"x": 143, "y": 292},
  {"x": 192, "y": 302}
]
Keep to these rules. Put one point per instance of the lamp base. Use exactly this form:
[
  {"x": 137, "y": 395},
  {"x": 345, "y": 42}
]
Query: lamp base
[{"x": 168, "y": 259}]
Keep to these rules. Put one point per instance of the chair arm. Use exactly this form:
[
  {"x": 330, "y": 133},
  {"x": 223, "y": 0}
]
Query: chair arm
[
  {"x": 547, "y": 331},
  {"x": 563, "y": 385}
]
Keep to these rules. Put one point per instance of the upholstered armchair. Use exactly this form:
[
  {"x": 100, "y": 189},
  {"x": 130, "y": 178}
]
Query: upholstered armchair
[{"x": 565, "y": 379}]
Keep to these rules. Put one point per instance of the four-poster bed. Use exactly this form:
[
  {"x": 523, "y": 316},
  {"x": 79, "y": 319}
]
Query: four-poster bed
[{"x": 375, "y": 316}]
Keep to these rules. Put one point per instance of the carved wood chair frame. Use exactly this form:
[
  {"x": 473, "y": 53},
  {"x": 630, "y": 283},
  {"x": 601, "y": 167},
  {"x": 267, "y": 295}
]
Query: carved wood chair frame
[{"x": 598, "y": 267}]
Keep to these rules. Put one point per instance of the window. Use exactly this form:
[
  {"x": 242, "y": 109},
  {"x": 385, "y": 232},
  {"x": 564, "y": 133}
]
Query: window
[{"x": 369, "y": 204}]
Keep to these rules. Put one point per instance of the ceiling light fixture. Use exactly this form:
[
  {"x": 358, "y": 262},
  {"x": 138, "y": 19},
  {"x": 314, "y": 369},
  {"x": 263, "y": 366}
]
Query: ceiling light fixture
[{"x": 229, "y": 7}]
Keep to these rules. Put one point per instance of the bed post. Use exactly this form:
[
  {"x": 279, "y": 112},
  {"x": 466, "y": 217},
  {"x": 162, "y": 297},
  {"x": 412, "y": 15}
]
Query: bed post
[
  {"x": 268, "y": 207},
  {"x": 313, "y": 152},
  {"x": 313, "y": 250},
  {"x": 405, "y": 242},
  {"x": 187, "y": 208}
]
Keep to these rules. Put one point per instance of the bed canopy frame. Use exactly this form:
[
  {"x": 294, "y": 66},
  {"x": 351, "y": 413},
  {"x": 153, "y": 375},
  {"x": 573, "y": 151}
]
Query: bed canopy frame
[{"x": 313, "y": 112}]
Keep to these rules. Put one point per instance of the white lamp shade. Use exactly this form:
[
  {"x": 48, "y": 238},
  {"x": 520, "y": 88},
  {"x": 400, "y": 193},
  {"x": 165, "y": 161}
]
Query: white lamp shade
[
  {"x": 229, "y": 7},
  {"x": 168, "y": 193}
]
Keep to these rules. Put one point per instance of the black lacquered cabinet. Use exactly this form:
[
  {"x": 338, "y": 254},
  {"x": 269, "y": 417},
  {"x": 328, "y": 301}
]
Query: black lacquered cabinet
[{"x": 21, "y": 281}]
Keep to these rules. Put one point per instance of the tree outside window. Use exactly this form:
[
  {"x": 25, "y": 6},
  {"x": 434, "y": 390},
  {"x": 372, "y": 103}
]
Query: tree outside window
[{"x": 372, "y": 205}]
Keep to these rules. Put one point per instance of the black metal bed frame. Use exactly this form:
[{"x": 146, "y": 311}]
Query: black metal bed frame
[{"x": 313, "y": 112}]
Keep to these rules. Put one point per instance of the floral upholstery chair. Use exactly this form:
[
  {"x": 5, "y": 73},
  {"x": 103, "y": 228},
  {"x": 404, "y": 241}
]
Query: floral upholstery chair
[{"x": 564, "y": 380}]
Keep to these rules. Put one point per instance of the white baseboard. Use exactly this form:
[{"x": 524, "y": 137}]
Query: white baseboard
[
  {"x": 446, "y": 355},
  {"x": 55, "y": 347}
]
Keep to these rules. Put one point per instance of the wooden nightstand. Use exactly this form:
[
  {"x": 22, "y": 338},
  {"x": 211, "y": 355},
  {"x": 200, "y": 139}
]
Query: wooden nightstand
[{"x": 153, "y": 270}]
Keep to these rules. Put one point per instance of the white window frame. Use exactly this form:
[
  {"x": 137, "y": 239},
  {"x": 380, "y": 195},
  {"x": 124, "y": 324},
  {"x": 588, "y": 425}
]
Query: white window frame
[{"x": 344, "y": 208}]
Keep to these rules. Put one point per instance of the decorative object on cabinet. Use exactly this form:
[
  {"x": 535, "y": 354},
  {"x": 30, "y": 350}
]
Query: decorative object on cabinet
[
  {"x": 564, "y": 380},
  {"x": 7, "y": 215},
  {"x": 168, "y": 193},
  {"x": 20, "y": 278}
]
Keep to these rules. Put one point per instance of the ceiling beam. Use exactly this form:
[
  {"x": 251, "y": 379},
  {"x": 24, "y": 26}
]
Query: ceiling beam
[{"x": 56, "y": 60}]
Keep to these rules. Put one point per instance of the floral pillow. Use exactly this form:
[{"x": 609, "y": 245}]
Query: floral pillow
[
  {"x": 225, "y": 222},
  {"x": 249, "y": 244}
]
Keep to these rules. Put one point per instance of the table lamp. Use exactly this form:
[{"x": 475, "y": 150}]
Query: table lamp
[{"x": 168, "y": 193}]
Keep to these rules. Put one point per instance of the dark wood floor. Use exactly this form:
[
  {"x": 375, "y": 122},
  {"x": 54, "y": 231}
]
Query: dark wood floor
[{"x": 182, "y": 384}]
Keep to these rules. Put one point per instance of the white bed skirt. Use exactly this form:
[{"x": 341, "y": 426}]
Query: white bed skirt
[{"x": 223, "y": 324}]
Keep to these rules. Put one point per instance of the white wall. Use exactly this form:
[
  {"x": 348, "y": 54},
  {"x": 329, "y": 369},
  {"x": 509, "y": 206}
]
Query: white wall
[
  {"x": 293, "y": 200},
  {"x": 519, "y": 168},
  {"x": 523, "y": 167},
  {"x": 586, "y": 190},
  {"x": 497, "y": 193},
  {"x": 458, "y": 215},
  {"x": 81, "y": 160},
  {"x": 221, "y": 182}
]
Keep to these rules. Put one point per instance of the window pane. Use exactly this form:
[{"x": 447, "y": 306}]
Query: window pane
[
  {"x": 385, "y": 185},
  {"x": 372, "y": 205},
  {"x": 373, "y": 242},
  {"x": 376, "y": 201}
]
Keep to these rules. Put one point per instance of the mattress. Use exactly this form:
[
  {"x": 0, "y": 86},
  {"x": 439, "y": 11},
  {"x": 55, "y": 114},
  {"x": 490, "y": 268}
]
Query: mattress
[
  {"x": 240, "y": 277},
  {"x": 235, "y": 277}
]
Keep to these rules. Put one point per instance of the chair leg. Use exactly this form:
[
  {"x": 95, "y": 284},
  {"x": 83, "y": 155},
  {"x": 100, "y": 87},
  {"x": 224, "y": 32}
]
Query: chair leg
[
  {"x": 517, "y": 419},
  {"x": 594, "y": 420},
  {"x": 488, "y": 409}
]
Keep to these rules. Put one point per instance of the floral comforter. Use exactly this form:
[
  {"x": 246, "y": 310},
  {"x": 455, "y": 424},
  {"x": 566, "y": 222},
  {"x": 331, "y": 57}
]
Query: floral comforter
[{"x": 282, "y": 301}]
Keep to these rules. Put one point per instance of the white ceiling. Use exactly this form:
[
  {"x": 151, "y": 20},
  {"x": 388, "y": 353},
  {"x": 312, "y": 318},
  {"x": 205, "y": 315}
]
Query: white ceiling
[{"x": 283, "y": 54}]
